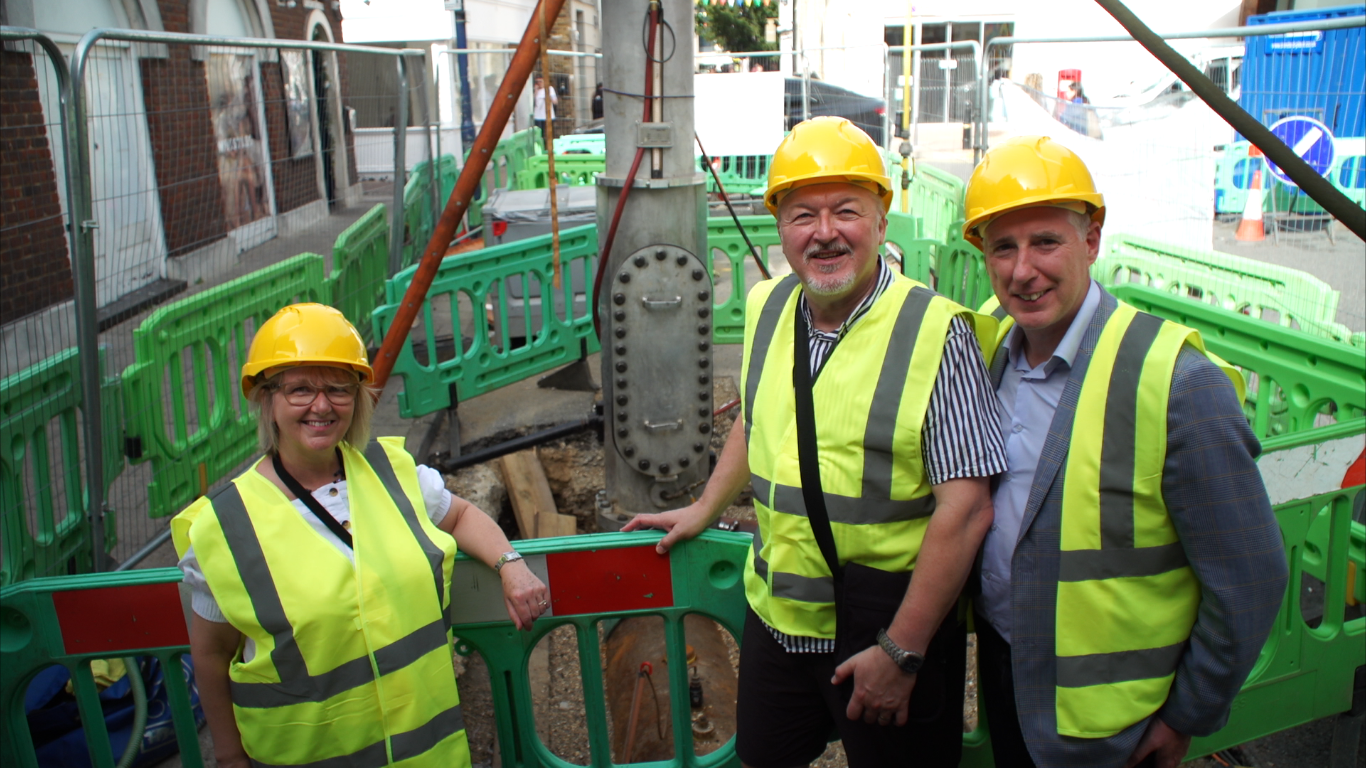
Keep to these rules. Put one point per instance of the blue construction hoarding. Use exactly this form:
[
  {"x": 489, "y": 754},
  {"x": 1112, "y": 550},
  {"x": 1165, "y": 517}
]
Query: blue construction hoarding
[{"x": 1318, "y": 74}]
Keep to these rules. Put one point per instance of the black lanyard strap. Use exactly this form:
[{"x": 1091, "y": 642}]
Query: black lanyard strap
[
  {"x": 306, "y": 496},
  {"x": 808, "y": 457}
]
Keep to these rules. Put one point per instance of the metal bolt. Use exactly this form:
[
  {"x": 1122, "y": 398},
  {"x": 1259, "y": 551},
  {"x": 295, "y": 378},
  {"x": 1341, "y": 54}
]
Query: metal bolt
[
  {"x": 682, "y": 260},
  {"x": 643, "y": 464},
  {"x": 703, "y": 362},
  {"x": 661, "y": 254},
  {"x": 624, "y": 277},
  {"x": 621, "y": 416},
  {"x": 620, "y": 366},
  {"x": 703, "y": 346},
  {"x": 703, "y": 311},
  {"x": 704, "y": 427},
  {"x": 620, "y": 349},
  {"x": 703, "y": 411},
  {"x": 619, "y": 315},
  {"x": 703, "y": 295},
  {"x": 621, "y": 382},
  {"x": 699, "y": 447},
  {"x": 684, "y": 462},
  {"x": 619, "y": 299},
  {"x": 622, "y": 399},
  {"x": 664, "y": 468},
  {"x": 703, "y": 379},
  {"x": 698, "y": 274},
  {"x": 628, "y": 451},
  {"x": 703, "y": 328},
  {"x": 640, "y": 261},
  {"x": 704, "y": 396},
  {"x": 623, "y": 431},
  {"x": 620, "y": 332}
]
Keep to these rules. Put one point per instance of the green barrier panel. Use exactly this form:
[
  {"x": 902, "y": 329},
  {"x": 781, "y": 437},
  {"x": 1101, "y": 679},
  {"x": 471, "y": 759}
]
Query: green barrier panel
[
  {"x": 1304, "y": 672},
  {"x": 417, "y": 213},
  {"x": 1234, "y": 169},
  {"x": 962, "y": 275},
  {"x": 509, "y": 157},
  {"x": 936, "y": 197},
  {"x": 44, "y": 514},
  {"x": 360, "y": 264},
  {"x": 1289, "y": 296},
  {"x": 183, "y": 403},
  {"x": 581, "y": 143},
  {"x": 575, "y": 170},
  {"x": 73, "y": 620},
  {"x": 727, "y": 256},
  {"x": 739, "y": 173},
  {"x": 483, "y": 360},
  {"x": 906, "y": 233},
  {"x": 1292, "y": 377}
]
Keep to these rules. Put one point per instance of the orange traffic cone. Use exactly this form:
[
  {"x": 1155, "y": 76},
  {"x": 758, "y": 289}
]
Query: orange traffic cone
[{"x": 1250, "y": 228}]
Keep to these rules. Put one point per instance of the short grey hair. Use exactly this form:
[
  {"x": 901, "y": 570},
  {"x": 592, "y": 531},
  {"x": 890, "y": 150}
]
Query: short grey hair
[{"x": 268, "y": 433}]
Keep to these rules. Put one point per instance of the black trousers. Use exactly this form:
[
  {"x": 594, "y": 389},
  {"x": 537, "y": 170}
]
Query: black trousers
[{"x": 996, "y": 682}]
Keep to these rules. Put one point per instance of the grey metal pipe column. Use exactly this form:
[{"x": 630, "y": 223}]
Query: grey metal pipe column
[{"x": 656, "y": 295}]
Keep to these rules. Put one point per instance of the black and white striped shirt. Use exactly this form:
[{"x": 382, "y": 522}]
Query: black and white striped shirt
[{"x": 961, "y": 436}]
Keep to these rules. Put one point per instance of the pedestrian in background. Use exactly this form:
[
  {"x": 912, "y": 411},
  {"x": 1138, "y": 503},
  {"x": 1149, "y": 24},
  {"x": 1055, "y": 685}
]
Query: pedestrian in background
[{"x": 540, "y": 93}]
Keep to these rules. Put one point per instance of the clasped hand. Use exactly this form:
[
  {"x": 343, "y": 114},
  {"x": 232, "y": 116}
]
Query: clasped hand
[{"x": 882, "y": 692}]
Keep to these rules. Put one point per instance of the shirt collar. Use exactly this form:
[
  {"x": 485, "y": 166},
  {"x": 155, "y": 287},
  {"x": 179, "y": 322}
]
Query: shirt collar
[{"x": 1066, "y": 352}]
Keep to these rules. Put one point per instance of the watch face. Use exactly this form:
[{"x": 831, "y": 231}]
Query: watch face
[{"x": 910, "y": 663}]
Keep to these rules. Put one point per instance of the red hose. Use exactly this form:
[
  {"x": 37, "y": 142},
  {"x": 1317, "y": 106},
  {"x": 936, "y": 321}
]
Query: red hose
[{"x": 630, "y": 179}]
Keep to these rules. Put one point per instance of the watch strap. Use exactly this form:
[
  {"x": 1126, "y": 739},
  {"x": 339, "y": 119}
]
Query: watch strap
[
  {"x": 907, "y": 661},
  {"x": 507, "y": 557}
]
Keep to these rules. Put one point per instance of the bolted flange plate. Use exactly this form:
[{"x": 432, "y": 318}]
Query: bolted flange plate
[{"x": 659, "y": 305}]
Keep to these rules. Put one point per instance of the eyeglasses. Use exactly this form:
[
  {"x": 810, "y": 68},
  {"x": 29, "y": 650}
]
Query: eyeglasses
[{"x": 305, "y": 394}]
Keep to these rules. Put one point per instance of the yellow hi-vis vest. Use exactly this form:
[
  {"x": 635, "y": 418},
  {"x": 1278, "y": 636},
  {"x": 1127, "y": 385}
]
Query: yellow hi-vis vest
[
  {"x": 1127, "y": 597},
  {"x": 353, "y": 662},
  {"x": 870, "y": 399}
]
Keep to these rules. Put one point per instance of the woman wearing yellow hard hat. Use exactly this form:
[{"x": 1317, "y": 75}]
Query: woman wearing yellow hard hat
[{"x": 320, "y": 577}]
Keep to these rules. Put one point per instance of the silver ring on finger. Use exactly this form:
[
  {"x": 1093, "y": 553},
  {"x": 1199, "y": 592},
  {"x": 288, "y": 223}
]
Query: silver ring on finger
[{"x": 543, "y": 603}]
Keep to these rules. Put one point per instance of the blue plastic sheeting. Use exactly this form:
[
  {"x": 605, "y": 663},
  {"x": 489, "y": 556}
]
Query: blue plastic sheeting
[{"x": 1318, "y": 74}]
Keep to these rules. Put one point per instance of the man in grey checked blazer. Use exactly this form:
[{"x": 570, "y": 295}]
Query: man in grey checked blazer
[{"x": 1034, "y": 211}]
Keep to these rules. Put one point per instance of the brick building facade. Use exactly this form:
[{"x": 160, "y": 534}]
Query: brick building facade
[{"x": 196, "y": 214}]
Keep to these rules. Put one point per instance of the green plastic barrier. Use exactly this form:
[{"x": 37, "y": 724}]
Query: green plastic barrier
[
  {"x": 419, "y": 217},
  {"x": 360, "y": 264},
  {"x": 486, "y": 362},
  {"x": 726, "y": 246},
  {"x": 1236, "y": 283},
  {"x": 575, "y": 170},
  {"x": 1304, "y": 673},
  {"x": 1234, "y": 170},
  {"x": 961, "y": 274},
  {"x": 1292, "y": 377},
  {"x": 581, "y": 143},
  {"x": 509, "y": 157},
  {"x": 189, "y": 354},
  {"x": 738, "y": 173},
  {"x": 44, "y": 515},
  {"x": 73, "y": 620},
  {"x": 936, "y": 197}
]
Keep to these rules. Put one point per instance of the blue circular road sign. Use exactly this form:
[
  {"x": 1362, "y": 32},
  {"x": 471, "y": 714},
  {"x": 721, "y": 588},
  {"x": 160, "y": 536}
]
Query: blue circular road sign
[{"x": 1310, "y": 139}]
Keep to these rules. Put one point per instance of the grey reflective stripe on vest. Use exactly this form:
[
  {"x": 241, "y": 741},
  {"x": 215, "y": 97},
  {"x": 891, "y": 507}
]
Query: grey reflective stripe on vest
[
  {"x": 1093, "y": 564},
  {"x": 998, "y": 365},
  {"x": 806, "y": 589},
  {"x": 999, "y": 312},
  {"x": 874, "y": 501},
  {"x": 763, "y": 338},
  {"x": 296, "y": 685},
  {"x": 405, "y": 745},
  {"x": 1117, "y": 451},
  {"x": 379, "y": 462},
  {"x": 849, "y": 510},
  {"x": 1118, "y": 667}
]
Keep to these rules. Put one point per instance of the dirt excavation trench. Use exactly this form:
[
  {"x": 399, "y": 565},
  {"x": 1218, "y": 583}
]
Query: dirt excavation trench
[{"x": 574, "y": 471}]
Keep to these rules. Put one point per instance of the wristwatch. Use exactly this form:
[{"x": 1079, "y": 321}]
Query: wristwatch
[
  {"x": 908, "y": 661},
  {"x": 507, "y": 557}
]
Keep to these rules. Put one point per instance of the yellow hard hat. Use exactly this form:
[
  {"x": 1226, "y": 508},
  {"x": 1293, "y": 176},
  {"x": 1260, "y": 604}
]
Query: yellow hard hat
[
  {"x": 305, "y": 334},
  {"x": 1023, "y": 172},
  {"x": 825, "y": 149}
]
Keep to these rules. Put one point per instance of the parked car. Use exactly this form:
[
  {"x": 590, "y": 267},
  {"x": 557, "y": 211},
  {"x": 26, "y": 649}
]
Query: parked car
[{"x": 825, "y": 99}]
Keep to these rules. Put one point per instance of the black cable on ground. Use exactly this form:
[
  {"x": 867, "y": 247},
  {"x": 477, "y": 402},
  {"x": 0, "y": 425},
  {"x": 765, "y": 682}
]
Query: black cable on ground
[
  {"x": 725, "y": 198},
  {"x": 520, "y": 444},
  {"x": 1316, "y": 186}
]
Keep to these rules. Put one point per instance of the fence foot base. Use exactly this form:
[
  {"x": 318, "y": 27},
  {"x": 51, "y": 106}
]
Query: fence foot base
[{"x": 575, "y": 377}]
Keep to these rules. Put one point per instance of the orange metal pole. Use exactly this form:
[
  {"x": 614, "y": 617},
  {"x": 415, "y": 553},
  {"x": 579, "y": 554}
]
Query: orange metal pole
[{"x": 480, "y": 152}]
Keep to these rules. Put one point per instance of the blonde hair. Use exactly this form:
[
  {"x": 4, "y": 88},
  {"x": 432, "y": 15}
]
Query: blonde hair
[{"x": 268, "y": 433}]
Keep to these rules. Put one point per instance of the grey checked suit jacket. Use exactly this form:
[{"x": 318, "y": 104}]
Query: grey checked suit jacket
[{"x": 1219, "y": 506}]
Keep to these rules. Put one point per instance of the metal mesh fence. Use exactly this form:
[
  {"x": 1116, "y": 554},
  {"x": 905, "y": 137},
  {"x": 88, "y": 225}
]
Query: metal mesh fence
[
  {"x": 1178, "y": 177},
  {"x": 197, "y": 167},
  {"x": 576, "y": 103}
]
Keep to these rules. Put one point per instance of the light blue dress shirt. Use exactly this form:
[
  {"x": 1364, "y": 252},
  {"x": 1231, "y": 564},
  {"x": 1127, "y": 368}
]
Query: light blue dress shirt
[{"x": 1028, "y": 398}]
